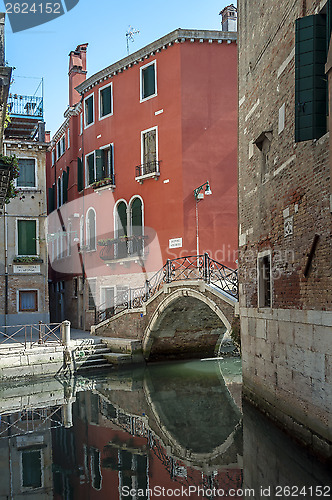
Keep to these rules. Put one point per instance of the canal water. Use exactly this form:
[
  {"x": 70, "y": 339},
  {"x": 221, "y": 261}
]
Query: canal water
[{"x": 175, "y": 430}]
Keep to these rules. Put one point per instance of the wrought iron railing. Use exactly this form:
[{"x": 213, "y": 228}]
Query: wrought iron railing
[
  {"x": 25, "y": 105},
  {"x": 123, "y": 247},
  {"x": 31, "y": 335},
  {"x": 151, "y": 167},
  {"x": 192, "y": 267}
]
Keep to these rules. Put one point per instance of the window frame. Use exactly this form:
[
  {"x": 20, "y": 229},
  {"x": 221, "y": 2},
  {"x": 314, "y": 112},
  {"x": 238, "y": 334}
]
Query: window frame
[
  {"x": 28, "y": 188},
  {"x": 87, "y": 230},
  {"x": 142, "y": 68},
  {"x": 68, "y": 138},
  {"x": 86, "y": 168},
  {"x": 142, "y": 143},
  {"x": 99, "y": 101},
  {"x": 261, "y": 281},
  {"x": 93, "y": 110},
  {"x": 42, "y": 465},
  {"x": 37, "y": 236},
  {"x": 18, "y": 296}
]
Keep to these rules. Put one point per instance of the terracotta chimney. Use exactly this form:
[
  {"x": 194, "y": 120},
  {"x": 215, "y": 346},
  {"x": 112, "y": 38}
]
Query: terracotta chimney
[{"x": 77, "y": 72}]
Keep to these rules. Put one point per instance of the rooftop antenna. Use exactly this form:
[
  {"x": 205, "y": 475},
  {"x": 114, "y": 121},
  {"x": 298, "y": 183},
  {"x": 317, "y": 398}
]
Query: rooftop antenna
[{"x": 130, "y": 36}]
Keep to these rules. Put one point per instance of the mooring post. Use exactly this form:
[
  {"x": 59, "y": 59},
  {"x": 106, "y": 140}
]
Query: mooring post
[{"x": 65, "y": 327}]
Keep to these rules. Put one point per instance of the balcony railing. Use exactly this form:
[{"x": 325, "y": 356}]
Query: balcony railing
[
  {"x": 25, "y": 105},
  {"x": 147, "y": 170},
  {"x": 106, "y": 182},
  {"x": 122, "y": 248}
]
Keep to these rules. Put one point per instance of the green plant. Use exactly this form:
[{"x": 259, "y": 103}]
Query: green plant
[
  {"x": 26, "y": 259},
  {"x": 12, "y": 163}
]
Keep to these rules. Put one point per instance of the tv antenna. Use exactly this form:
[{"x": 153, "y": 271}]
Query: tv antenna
[{"x": 130, "y": 36}]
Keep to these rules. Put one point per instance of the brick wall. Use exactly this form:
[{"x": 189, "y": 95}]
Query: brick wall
[{"x": 285, "y": 366}]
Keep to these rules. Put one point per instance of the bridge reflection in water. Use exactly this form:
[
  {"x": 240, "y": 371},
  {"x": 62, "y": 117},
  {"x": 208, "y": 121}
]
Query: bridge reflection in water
[{"x": 132, "y": 433}]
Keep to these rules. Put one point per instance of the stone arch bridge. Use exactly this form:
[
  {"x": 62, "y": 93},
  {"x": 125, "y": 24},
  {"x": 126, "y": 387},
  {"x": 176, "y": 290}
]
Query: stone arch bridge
[{"x": 185, "y": 310}]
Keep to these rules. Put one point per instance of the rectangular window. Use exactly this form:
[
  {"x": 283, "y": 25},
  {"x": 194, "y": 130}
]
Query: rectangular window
[
  {"x": 53, "y": 157},
  {"x": 32, "y": 469},
  {"x": 264, "y": 280},
  {"x": 28, "y": 300},
  {"x": 27, "y": 237},
  {"x": 104, "y": 164},
  {"x": 27, "y": 173},
  {"x": 148, "y": 81},
  {"x": 92, "y": 295},
  {"x": 81, "y": 123},
  {"x": 105, "y": 101},
  {"x": 58, "y": 150},
  {"x": 90, "y": 175},
  {"x": 62, "y": 145},
  {"x": 68, "y": 138},
  {"x": 88, "y": 111}
]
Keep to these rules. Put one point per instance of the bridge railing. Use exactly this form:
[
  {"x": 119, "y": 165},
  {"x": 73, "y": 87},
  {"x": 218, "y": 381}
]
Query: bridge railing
[{"x": 190, "y": 267}]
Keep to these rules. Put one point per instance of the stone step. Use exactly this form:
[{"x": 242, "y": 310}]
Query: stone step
[
  {"x": 118, "y": 358},
  {"x": 93, "y": 366},
  {"x": 121, "y": 345}
]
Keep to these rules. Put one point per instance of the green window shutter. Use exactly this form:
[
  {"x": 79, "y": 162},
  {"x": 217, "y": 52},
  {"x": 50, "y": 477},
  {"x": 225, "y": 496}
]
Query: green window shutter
[
  {"x": 64, "y": 186},
  {"x": 111, "y": 164},
  {"x": 91, "y": 168},
  {"x": 65, "y": 181},
  {"x": 149, "y": 84},
  {"x": 27, "y": 244},
  {"x": 310, "y": 79},
  {"x": 100, "y": 169},
  {"x": 122, "y": 219},
  {"x": 50, "y": 200},
  {"x": 79, "y": 174},
  {"x": 26, "y": 173},
  {"x": 136, "y": 217},
  {"x": 106, "y": 101}
]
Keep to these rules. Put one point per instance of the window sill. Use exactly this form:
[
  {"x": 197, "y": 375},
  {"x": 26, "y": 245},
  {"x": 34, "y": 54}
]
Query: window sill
[
  {"x": 143, "y": 99},
  {"x": 142, "y": 178}
]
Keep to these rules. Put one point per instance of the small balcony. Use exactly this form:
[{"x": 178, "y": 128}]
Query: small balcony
[
  {"x": 123, "y": 248},
  {"x": 105, "y": 183},
  {"x": 149, "y": 170}
]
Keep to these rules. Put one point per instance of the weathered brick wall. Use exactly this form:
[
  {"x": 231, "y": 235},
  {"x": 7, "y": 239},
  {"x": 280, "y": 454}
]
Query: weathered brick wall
[
  {"x": 286, "y": 359},
  {"x": 297, "y": 180}
]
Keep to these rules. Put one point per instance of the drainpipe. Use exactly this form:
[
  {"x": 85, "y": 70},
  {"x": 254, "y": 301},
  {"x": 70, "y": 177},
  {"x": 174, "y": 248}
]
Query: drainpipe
[
  {"x": 83, "y": 254},
  {"x": 5, "y": 222}
]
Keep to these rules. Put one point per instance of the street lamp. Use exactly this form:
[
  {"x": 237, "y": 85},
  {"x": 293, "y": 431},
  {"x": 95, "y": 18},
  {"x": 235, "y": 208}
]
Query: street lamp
[{"x": 199, "y": 194}]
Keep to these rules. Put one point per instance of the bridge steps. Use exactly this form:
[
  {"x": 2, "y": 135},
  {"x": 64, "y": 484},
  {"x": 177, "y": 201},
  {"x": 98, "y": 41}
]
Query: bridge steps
[{"x": 123, "y": 351}]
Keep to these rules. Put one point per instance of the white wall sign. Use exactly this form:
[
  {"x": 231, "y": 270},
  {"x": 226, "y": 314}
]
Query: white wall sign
[
  {"x": 175, "y": 243},
  {"x": 24, "y": 269}
]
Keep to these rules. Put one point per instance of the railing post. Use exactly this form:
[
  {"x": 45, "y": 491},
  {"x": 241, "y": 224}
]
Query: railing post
[
  {"x": 129, "y": 299},
  {"x": 206, "y": 268},
  {"x": 40, "y": 335},
  {"x": 147, "y": 290},
  {"x": 168, "y": 271},
  {"x": 65, "y": 330}
]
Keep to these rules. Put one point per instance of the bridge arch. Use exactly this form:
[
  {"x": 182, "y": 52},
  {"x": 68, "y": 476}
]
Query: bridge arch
[{"x": 206, "y": 327}]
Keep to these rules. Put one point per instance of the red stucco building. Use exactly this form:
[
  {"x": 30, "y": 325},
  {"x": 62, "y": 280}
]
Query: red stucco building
[{"x": 138, "y": 138}]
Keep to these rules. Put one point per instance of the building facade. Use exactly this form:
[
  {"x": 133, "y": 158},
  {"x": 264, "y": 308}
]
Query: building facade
[
  {"x": 285, "y": 250},
  {"x": 23, "y": 221},
  {"x": 138, "y": 138}
]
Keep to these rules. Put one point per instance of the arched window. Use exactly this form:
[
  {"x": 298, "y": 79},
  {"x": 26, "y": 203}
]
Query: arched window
[
  {"x": 91, "y": 229},
  {"x": 136, "y": 226},
  {"x": 121, "y": 230}
]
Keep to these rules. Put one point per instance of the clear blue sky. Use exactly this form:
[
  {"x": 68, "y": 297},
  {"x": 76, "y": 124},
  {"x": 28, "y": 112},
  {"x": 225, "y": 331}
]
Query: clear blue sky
[{"x": 43, "y": 51}]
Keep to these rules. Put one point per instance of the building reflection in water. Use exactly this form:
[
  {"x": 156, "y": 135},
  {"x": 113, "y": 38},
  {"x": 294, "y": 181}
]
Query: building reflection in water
[
  {"x": 130, "y": 434},
  {"x": 176, "y": 425}
]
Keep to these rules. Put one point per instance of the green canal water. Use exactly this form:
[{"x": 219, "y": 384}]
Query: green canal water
[{"x": 175, "y": 430}]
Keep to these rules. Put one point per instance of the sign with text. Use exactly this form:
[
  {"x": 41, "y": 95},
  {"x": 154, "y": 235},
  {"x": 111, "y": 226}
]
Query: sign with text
[
  {"x": 175, "y": 243},
  {"x": 24, "y": 269}
]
